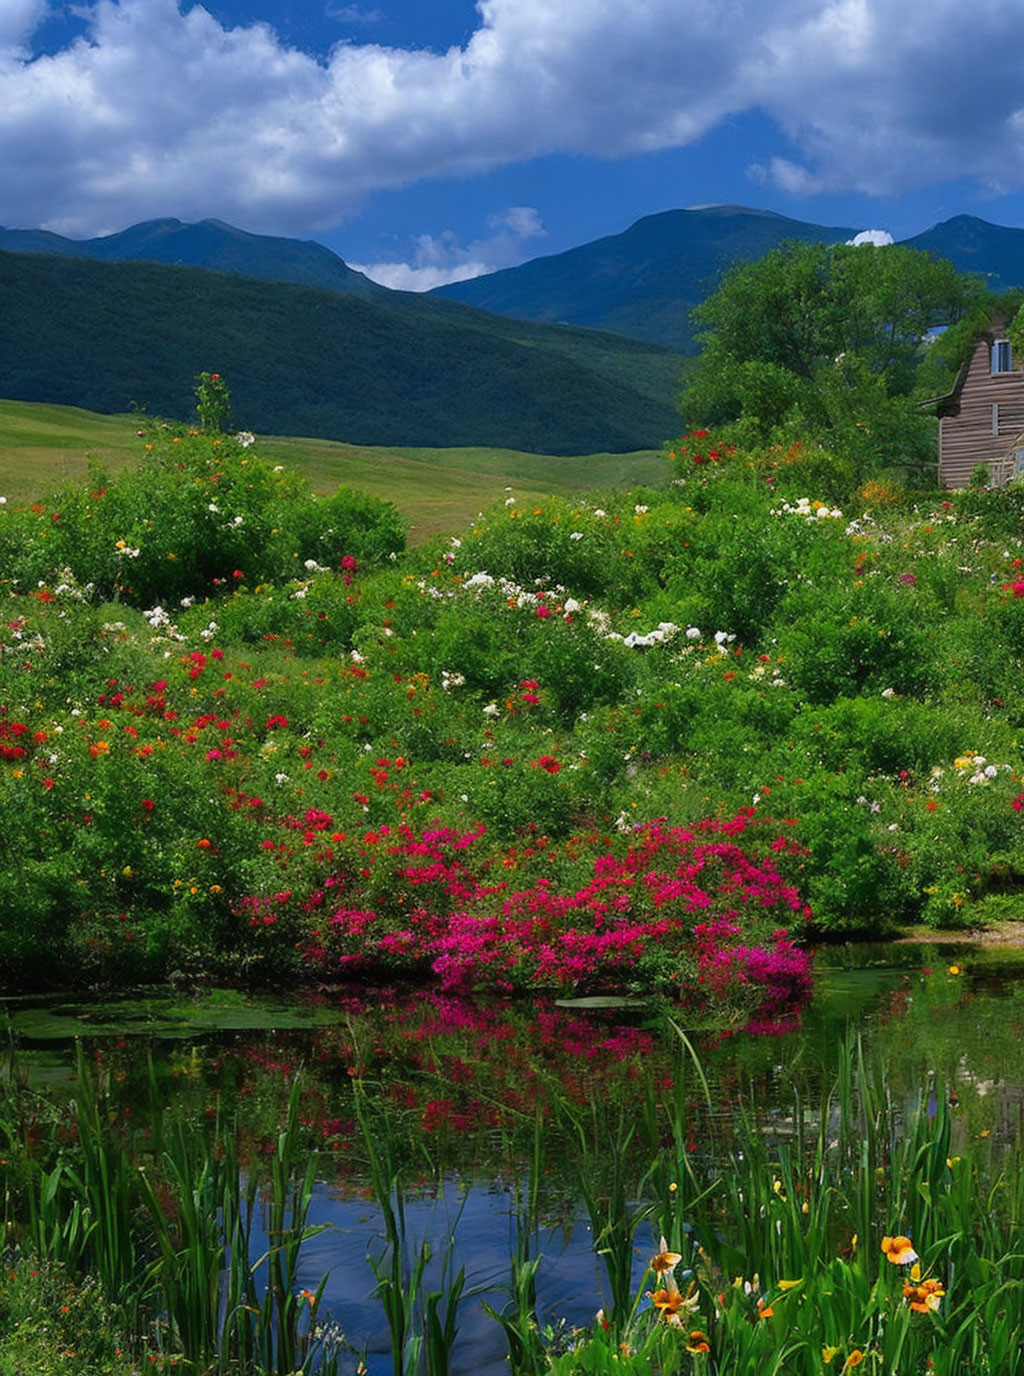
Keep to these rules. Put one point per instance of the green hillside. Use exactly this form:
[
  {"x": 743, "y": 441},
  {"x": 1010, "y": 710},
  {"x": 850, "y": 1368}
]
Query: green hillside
[
  {"x": 644, "y": 282},
  {"x": 392, "y": 370},
  {"x": 434, "y": 489}
]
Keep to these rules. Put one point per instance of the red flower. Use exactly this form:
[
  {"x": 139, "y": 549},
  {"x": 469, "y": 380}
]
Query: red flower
[{"x": 549, "y": 763}]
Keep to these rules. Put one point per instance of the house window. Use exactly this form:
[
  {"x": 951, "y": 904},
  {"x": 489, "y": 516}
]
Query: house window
[{"x": 1002, "y": 360}]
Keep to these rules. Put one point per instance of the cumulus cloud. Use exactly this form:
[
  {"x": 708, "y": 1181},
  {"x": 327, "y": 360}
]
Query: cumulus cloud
[
  {"x": 19, "y": 19},
  {"x": 878, "y": 237},
  {"x": 159, "y": 109},
  {"x": 437, "y": 259}
]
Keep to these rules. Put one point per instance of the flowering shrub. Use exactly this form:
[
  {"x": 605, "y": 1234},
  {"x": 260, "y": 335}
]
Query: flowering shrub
[{"x": 714, "y": 653}]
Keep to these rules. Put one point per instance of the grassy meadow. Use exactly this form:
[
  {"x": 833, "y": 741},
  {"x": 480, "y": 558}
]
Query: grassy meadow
[{"x": 435, "y": 490}]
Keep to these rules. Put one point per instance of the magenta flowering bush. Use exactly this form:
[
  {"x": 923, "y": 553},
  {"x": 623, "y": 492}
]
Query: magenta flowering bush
[{"x": 686, "y": 911}]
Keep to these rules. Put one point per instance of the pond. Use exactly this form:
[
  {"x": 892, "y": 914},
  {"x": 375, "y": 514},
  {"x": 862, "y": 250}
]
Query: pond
[{"x": 460, "y": 1087}]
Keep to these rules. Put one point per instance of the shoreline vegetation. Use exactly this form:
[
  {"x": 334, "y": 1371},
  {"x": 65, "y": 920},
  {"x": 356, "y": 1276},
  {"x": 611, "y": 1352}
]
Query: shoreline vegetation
[
  {"x": 641, "y": 741},
  {"x": 644, "y": 742}
]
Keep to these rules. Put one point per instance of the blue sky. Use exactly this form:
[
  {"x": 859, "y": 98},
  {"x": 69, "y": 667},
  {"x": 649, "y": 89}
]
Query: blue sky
[{"x": 425, "y": 140}]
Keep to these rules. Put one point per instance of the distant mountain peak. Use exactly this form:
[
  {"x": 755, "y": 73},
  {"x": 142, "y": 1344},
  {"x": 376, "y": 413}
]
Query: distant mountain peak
[{"x": 211, "y": 244}]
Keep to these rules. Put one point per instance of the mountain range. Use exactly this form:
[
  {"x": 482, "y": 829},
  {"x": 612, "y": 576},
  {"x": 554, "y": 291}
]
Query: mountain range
[
  {"x": 644, "y": 282},
  {"x": 570, "y": 353},
  {"x": 209, "y": 244}
]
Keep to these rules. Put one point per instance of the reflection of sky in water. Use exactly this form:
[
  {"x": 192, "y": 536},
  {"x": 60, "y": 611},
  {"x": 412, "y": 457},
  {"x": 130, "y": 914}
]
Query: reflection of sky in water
[
  {"x": 956, "y": 1036},
  {"x": 569, "y": 1281}
]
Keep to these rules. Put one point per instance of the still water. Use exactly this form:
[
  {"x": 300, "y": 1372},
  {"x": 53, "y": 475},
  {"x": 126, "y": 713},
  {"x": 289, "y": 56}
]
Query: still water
[{"x": 461, "y": 1085}]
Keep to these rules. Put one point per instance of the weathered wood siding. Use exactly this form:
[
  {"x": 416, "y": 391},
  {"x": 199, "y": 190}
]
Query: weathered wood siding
[{"x": 967, "y": 438}]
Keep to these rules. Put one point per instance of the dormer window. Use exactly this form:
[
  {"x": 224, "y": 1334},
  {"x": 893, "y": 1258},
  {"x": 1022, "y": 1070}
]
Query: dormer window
[{"x": 1002, "y": 358}]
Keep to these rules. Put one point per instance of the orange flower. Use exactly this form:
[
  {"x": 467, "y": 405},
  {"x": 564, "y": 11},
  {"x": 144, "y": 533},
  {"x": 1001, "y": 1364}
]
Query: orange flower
[
  {"x": 665, "y": 1261},
  {"x": 854, "y": 1359},
  {"x": 670, "y": 1304},
  {"x": 697, "y": 1342},
  {"x": 899, "y": 1250},
  {"x": 922, "y": 1295}
]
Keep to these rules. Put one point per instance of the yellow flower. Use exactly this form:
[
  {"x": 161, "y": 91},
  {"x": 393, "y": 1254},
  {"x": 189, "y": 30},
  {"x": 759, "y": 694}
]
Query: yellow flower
[
  {"x": 790, "y": 1284},
  {"x": 954, "y": 969},
  {"x": 827, "y": 1353},
  {"x": 899, "y": 1250}
]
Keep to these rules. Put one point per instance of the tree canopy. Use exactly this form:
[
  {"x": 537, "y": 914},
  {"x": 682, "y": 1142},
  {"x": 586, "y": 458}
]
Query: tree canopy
[{"x": 826, "y": 336}]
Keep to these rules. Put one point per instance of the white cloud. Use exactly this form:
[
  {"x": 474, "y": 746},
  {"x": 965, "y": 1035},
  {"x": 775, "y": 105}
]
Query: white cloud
[
  {"x": 353, "y": 14},
  {"x": 787, "y": 176},
  {"x": 439, "y": 259},
  {"x": 160, "y": 109},
  {"x": 19, "y": 19},
  {"x": 878, "y": 237}
]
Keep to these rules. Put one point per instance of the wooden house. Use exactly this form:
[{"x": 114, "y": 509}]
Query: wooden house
[{"x": 981, "y": 420}]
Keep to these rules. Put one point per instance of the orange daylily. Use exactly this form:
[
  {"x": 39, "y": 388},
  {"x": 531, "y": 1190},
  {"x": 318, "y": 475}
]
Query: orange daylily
[
  {"x": 665, "y": 1262},
  {"x": 671, "y": 1304},
  {"x": 922, "y": 1295},
  {"x": 899, "y": 1250}
]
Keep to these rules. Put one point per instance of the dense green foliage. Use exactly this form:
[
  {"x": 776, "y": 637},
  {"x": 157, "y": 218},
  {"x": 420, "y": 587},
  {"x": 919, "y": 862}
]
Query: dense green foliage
[
  {"x": 825, "y": 342},
  {"x": 198, "y": 654},
  {"x": 390, "y": 369}
]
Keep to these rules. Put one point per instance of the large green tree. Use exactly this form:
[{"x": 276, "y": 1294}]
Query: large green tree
[{"x": 827, "y": 337}]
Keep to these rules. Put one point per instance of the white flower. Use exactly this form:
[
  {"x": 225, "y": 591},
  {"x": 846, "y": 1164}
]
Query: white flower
[
  {"x": 3, "y": 501},
  {"x": 693, "y": 632},
  {"x": 641, "y": 510},
  {"x": 281, "y": 778},
  {"x": 492, "y": 710},
  {"x": 599, "y": 512},
  {"x": 510, "y": 501},
  {"x": 888, "y": 692},
  {"x": 576, "y": 535},
  {"x": 571, "y": 605}
]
